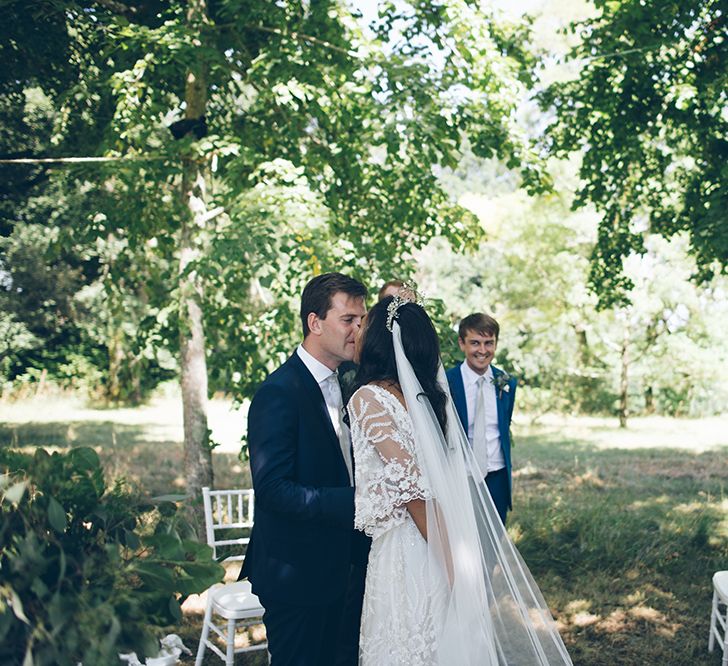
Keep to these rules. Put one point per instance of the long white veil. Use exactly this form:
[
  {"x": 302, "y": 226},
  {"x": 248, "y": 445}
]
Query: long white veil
[{"x": 495, "y": 613}]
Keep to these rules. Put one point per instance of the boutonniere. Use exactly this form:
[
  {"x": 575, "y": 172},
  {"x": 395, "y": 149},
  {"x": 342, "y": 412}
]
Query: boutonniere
[
  {"x": 501, "y": 383},
  {"x": 347, "y": 378},
  {"x": 346, "y": 381}
]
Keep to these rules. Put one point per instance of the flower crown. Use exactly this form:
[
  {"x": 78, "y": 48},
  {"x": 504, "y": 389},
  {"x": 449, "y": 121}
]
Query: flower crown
[{"x": 407, "y": 294}]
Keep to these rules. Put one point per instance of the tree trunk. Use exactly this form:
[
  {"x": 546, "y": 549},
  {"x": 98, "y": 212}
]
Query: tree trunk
[
  {"x": 623, "y": 383},
  {"x": 649, "y": 400},
  {"x": 583, "y": 345},
  {"x": 114, "y": 333},
  {"x": 197, "y": 453}
]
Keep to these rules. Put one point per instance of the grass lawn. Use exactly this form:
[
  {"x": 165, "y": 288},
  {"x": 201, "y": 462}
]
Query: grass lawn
[{"x": 622, "y": 529}]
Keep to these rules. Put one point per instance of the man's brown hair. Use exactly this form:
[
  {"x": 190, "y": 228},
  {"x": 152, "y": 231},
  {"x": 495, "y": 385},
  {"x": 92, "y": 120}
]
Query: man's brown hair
[
  {"x": 319, "y": 291},
  {"x": 387, "y": 285},
  {"x": 479, "y": 323}
]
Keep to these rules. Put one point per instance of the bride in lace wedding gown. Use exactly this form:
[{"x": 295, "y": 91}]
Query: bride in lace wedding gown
[
  {"x": 445, "y": 585},
  {"x": 405, "y": 595}
]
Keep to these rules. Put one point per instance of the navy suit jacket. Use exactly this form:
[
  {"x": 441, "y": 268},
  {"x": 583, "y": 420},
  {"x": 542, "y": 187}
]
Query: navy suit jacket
[
  {"x": 303, "y": 540},
  {"x": 504, "y": 401}
]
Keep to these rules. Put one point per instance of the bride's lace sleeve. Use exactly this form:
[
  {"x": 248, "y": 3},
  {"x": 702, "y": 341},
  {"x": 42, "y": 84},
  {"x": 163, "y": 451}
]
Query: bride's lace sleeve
[{"x": 387, "y": 475}]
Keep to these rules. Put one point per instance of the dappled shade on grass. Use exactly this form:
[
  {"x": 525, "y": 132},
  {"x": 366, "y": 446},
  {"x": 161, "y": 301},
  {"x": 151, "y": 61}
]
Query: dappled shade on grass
[
  {"x": 142, "y": 453},
  {"x": 622, "y": 534},
  {"x": 624, "y": 543}
]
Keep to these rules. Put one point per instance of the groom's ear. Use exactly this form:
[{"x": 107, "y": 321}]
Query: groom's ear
[{"x": 314, "y": 323}]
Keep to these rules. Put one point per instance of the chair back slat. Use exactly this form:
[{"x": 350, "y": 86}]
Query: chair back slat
[
  {"x": 233, "y": 542},
  {"x": 227, "y": 510}
]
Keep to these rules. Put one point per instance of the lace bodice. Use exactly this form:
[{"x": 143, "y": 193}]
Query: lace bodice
[{"x": 386, "y": 472}]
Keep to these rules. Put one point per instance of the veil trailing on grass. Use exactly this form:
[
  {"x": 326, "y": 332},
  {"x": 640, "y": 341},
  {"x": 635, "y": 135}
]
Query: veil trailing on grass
[{"x": 495, "y": 613}]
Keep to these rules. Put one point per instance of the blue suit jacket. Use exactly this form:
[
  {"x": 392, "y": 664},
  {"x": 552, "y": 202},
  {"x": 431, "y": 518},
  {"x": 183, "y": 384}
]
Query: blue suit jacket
[
  {"x": 303, "y": 540},
  {"x": 504, "y": 401}
]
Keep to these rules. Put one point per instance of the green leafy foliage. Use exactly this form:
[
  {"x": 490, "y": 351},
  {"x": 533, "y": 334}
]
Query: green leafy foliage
[
  {"x": 567, "y": 354},
  {"x": 647, "y": 112},
  {"x": 72, "y": 301},
  {"x": 323, "y": 142},
  {"x": 88, "y": 571}
]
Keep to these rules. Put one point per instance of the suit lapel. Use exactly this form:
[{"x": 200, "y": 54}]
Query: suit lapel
[
  {"x": 311, "y": 393},
  {"x": 458, "y": 396},
  {"x": 500, "y": 401}
]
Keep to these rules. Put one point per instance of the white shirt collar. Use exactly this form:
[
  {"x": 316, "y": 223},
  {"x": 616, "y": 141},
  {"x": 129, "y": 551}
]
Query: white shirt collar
[
  {"x": 471, "y": 377},
  {"x": 319, "y": 371}
]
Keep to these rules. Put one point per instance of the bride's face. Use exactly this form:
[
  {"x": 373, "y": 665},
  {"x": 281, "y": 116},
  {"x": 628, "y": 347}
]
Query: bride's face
[{"x": 359, "y": 342}]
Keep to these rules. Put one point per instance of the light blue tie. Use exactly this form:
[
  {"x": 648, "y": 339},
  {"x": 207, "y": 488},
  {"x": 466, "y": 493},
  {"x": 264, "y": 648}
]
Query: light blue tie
[{"x": 480, "y": 441}]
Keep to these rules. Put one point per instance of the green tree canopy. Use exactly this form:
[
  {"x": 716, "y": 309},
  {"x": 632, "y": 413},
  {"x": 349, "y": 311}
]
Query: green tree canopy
[
  {"x": 647, "y": 109},
  {"x": 320, "y": 138},
  {"x": 661, "y": 354}
]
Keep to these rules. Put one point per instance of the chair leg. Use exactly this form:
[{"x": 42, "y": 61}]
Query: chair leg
[
  {"x": 725, "y": 638},
  {"x": 713, "y": 614},
  {"x": 205, "y": 632},
  {"x": 230, "y": 652}
]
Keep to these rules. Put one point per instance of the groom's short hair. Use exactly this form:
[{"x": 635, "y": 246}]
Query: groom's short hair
[
  {"x": 480, "y": 323},
  {"x": 319, "y": 291}
]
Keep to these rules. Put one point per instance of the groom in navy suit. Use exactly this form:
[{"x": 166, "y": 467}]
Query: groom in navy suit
[
  {"x": 484, "y": 398},
  {"x": 305, "y": 561}
]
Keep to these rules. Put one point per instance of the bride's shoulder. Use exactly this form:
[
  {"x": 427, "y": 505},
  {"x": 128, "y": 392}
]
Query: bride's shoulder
[
  {"x": 360, "y": 402},
  {"x": 364, "y": 393},
  {"x": 375, "y": 393}
]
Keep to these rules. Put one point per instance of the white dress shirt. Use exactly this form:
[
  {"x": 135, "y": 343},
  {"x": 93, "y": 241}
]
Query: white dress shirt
[
  {"x": 495, "y": 459},
  {"x": 329, "y": 384}
]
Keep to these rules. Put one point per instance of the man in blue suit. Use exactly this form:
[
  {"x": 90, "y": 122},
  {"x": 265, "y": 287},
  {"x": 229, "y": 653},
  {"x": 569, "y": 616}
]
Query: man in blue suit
[
  {"x": 305, "y": 561},
  {"x": 484, "y": 398}
]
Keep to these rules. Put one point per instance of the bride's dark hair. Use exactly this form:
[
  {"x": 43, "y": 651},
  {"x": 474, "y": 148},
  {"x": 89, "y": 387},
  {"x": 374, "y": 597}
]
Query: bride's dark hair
[{"x": 419, "y": 339}]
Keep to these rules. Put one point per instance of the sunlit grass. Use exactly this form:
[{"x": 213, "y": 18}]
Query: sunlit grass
[
  {"x": 623, "y": 538},
  {"x": 143, "y": 445},
  {"x": 622, "y": 529}
]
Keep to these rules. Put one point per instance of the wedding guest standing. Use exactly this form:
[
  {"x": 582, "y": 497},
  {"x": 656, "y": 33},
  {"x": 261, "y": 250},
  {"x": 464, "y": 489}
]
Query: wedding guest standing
[{"x": 484, "y": 397}]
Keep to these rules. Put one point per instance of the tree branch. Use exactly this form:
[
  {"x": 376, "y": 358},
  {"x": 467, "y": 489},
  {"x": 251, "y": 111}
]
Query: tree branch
[
  {"x": 306, "y": 38},
  {"x": 120, "y": 8},
  {"x": 296, "y": 36},
  {"x": 210, "y": 215}
]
